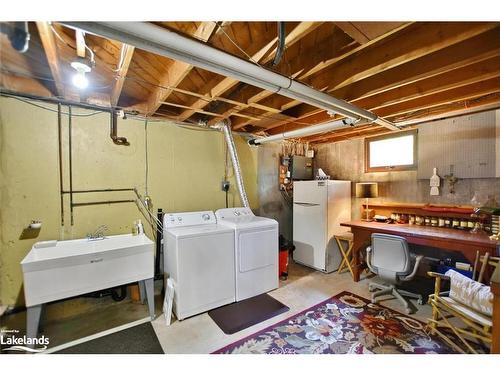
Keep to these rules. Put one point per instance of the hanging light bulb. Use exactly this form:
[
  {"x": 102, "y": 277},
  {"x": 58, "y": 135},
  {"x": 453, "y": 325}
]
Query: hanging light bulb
[{"x": 79, "y": 79}]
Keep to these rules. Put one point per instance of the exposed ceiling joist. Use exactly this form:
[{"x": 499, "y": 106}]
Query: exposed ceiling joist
[
  {"x": 127, "y": 52},
  {"x": 470, "y": 51},
  {"x": 177, "y": 71},
  {"x": 294, "y": 36},
  {"x": 351, "y": 30},
  {"x": 50, "y": 48}
]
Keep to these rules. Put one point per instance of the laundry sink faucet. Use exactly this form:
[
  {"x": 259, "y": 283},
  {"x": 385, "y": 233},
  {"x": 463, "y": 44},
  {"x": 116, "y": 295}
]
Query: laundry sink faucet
[{"x": 98, "y": 234}]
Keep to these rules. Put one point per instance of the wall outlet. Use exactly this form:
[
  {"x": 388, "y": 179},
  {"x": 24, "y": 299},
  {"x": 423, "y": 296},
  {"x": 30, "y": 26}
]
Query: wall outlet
[{"x": 225, "y": 186}]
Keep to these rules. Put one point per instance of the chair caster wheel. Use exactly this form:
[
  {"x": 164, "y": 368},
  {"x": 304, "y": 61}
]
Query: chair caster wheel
[
  {"x": 374, "y": 300},
  {"x": 409, "y": 311},
  {"x": 420, "y": 302}
]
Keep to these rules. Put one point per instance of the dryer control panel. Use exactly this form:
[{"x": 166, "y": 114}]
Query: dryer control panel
[
  {"x": 184, "y": 219},
  {"x": 226, "y": 213}
]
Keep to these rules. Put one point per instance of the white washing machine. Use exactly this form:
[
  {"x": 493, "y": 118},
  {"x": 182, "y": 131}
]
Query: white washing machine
[
  {"x": 199, "y": 257},
  {"x": 256, "y": 250}
]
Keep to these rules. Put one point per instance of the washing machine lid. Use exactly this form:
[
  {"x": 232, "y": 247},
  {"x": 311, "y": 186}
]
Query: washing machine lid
[
  {"x": 198, "y": 230},
  {"x": 248, "y": 222}
]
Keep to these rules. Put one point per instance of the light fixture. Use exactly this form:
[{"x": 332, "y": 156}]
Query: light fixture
[
  {"x": 366, "y": 190},
  {"x": 79, "y": 79}
]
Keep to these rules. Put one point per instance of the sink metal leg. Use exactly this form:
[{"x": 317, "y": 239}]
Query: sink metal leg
[
  {"x": 142, "y": 291},
  {"x": 150, "y": 296},
  {"x": 33, "y": 314}
]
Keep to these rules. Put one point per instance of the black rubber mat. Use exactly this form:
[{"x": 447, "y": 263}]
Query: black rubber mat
[
  {"x": 243, "y": 314},
  {"x": 140, "y": 339}
]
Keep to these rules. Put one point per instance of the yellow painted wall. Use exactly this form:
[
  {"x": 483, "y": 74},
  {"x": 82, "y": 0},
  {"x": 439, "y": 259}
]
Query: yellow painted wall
[{"x": 186, "y": 168}]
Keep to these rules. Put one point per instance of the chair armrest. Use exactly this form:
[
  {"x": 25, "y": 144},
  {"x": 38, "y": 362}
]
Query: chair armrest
[
  {"x": 437, "y": 284},
  {"x": 369, "y": 258},
  {"x": 418, "y": 259}
]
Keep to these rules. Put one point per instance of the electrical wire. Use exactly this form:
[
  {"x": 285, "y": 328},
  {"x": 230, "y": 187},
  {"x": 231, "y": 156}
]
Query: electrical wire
[
  {"x": 146, "y": 153},
  {"x": 236, "y": 45},
  {"x": 52, "y": 110}
]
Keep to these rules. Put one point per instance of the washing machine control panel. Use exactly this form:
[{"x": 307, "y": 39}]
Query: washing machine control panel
[
  {"x": 225, "y": 213},
  {"x": 182, "y": 219}
]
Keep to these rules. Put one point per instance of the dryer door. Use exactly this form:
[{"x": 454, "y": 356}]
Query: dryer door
[
  {"x": 257, "y": 262},
  {"x": 257, "y": 249}
]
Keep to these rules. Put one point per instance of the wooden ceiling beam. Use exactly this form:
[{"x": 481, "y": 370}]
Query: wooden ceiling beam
[
  {"x": 127, "y": 52},
  {"x": 336, "y": 136},
  {"x": 463, "y": 76},
  {"x": 80, "y": 43},
  {"x": 20, "y": 84},
  {"x": 350, "y": 29},
  {"x": 471, "y": 51},
  {"x": 363, "y": 134},
  {"x": 413, "y": 42},
  {"x": 177, "y": 71},
  {"x": 50, "y": 48},
  {"x": 484, "y": 103},
  {"x": 301, "y": 30},
  {"x": 444, "y": 97}
]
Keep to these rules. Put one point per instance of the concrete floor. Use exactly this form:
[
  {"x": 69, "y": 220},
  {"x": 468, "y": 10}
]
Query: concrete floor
[{"x": 199, "y": 334}]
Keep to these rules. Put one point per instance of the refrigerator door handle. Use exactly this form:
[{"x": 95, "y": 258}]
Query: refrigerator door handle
[{"x": 306, "y": 204}]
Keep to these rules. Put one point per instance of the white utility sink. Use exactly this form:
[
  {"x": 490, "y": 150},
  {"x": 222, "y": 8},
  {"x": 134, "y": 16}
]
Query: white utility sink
[{"x": 75, "y": 267}]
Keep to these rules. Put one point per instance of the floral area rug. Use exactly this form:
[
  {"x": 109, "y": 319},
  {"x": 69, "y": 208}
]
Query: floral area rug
[{"x": 345, "y": 323}]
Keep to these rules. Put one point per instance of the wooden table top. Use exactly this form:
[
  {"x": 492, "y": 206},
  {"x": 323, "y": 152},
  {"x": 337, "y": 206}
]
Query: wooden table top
[{"x": 437, "y": 233}]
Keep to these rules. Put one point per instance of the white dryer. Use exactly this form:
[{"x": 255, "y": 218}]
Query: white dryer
[
  {"x": 256, "y": 250},
  {"x": 199, "y": 258}
]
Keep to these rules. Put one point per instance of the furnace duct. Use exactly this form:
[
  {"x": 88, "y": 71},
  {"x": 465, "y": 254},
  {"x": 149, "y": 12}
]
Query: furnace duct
[{"x": 225, "y": 126}]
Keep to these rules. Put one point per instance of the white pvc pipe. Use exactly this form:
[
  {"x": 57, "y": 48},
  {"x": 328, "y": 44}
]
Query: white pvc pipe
[
  {"x": 310, "y": 130},
  {"x": 161, "y": 41}
]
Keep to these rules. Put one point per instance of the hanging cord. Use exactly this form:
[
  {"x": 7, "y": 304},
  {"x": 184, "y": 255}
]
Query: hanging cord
[
  {"x": 226, "y": 161},
  {"x": 146, "y": 193},
  {"x": 146, "y": 153}
]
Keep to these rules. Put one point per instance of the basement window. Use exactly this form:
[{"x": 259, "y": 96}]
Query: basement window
[{"x": 391, "y": 152}]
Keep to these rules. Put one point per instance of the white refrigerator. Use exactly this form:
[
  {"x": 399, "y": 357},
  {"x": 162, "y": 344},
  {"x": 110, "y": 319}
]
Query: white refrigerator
[{"x": 318, "y": 209}]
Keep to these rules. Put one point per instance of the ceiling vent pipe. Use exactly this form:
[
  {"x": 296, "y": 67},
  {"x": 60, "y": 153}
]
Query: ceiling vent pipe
[
  {"x": 310, "y": 130},
  {"x": 158, "y": 40},
  {"x": 225, "y": 126}
]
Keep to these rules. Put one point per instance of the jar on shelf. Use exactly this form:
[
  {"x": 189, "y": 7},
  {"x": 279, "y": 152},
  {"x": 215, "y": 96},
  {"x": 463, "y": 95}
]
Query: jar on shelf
[
  {"x": 441, "y": 222},
  {"x": 447, "y": 222},
  {"x": 470, "y": 224},
  {"x": 463, "y": 223},
  {"x": 427, "y": 221},
  {"x": 455, "y": 223},
  {"x": 419, "y": 220},
  {"x": 434, "y": 221},
  {"x": 411, "y": 220}
]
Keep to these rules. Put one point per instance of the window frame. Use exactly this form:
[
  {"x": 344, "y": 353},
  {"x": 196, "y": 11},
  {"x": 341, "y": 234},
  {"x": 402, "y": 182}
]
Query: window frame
[{"x": 407, "y": 167}]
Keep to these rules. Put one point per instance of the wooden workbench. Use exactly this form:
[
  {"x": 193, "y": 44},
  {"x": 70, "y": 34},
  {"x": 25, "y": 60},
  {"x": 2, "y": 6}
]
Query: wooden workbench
[{"x": 442, "y": 238}]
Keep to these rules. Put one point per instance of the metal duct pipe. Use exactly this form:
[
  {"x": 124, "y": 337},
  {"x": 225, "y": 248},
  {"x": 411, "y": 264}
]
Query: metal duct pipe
[
  {"x": 225, "y": 126},
  {"x": 310, "y": 130},
  {"x": 158, "y": 40}
]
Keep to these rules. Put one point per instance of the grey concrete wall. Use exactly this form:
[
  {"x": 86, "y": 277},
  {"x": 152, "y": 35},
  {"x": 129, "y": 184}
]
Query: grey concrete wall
[
  {"x": 272, "y": 204},
  {"x": 345, "y": 161}
]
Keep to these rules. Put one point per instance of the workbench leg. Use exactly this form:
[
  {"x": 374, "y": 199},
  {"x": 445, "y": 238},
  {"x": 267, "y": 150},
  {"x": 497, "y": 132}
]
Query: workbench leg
[
  {"x": 150, "y": 296},
  {"x": 33, "y": 314},
  {"x": 142, "y": 291},
  {"x": 360, "y": 240}
]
